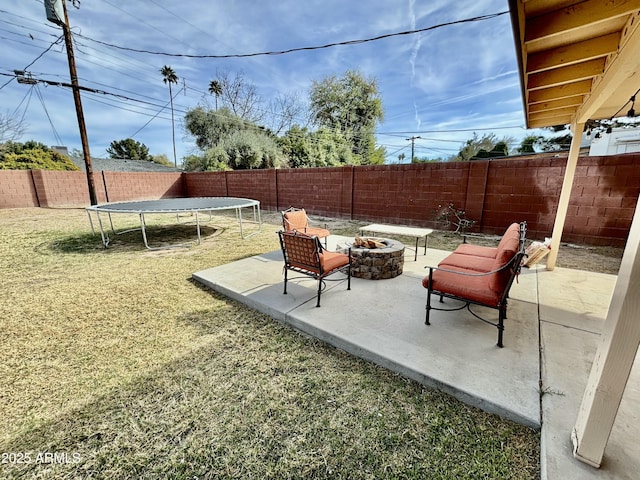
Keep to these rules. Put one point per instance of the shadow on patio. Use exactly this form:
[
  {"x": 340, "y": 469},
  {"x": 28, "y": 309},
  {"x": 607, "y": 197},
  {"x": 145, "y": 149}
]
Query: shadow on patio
[{"x": 551, "y": 335}]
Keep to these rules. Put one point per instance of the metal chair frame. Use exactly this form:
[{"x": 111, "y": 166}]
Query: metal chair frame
[
  {"x": 321, "y": 232},
  {"x": 302, "y": 254},
  {"x": 514, "y": 265}
]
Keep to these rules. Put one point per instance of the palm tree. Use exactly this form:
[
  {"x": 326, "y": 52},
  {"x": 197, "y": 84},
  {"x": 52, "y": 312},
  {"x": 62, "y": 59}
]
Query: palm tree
[
  {"x": 171, "y": 77},
  {"x": 215, "y": 88}
]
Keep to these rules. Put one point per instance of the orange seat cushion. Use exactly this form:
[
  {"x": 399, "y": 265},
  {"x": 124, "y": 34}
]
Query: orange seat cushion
[
  {"x": 296, "y": 220},
  {"x": 507, "y": 249},
  {"x": 468, "y": 262},
  {"x": 486, "y": 289},
  {"x": 315, "y": 231},
  {"x": 476, "y": 250},
  {"x": 472, "y": 288},
  {"x": 332, "y": 260}
]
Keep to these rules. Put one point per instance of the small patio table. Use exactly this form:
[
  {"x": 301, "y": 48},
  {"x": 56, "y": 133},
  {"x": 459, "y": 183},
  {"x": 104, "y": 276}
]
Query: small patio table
[{"x": 418, "y": 233}]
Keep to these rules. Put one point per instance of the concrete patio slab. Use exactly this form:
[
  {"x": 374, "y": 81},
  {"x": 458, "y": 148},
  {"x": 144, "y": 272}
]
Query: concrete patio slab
[
  {"x": 573, "y": 306},
  {"x": 383, "y": 321}
]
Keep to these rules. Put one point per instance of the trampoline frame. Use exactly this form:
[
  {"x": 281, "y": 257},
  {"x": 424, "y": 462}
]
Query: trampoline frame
[{"x": 181, "y": 205}]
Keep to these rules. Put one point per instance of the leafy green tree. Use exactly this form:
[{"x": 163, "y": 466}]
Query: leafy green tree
[
  {"x": 500, "y": 149},
  {"x": 296, "y": 146},
  {"x": 330, "y": 148},
  {"x": 129, "y": 149},
  {"x": 555, "y": 143},
  {"x": 528, "y": 143},
  {"x": 321, "y": 148},
  {"x": 487, "y": 146},
  {"x": 161, "y": 159},
  {"x": 228, "y": 141},
  {"x": 248, "y": 149},
  {"x": 209, "y": 127},
  {"x": 351, "y": 105},
  {"x": 32, "y": 155},
  {"x": 214, "y": 159},
  {"x": 169, "y": 77}
]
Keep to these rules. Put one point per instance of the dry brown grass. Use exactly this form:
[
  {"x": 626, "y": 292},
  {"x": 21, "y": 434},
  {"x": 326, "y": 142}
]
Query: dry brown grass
[{"x": 118, "y": 357}]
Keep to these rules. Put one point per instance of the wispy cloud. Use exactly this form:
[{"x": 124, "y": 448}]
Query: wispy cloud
[{"x": 453, "y": 76}]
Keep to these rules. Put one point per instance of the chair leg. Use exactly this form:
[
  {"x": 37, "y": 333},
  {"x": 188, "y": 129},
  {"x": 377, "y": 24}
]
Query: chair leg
[
  {"x": 501, "y": 316},
  {"x": 285, "y": 281},
  {"x": 349, "y": 276},
  {"x": 319, "y": 291},
  {"x": 426, "y": 321}
]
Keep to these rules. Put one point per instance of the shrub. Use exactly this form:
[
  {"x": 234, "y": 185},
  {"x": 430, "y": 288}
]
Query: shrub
[
  {"x": 19, "y": 158},
  {"x": 454, "y": 217}
]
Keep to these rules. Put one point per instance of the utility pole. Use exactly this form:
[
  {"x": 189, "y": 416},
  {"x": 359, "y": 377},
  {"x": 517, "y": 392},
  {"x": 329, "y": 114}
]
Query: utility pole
[
  {"x": 52, "y": 8},
  {"x": 413, "y": 141}
]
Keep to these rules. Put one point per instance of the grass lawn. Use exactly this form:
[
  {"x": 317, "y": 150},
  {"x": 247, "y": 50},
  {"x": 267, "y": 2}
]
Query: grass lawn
[{"x": 114, "y": 364}]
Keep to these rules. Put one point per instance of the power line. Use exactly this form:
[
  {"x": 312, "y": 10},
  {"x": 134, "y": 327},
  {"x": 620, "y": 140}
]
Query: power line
[
  {"x": 300, "y": 49},
  {"x": 86, "y": 89},
  {"x": 44, "y": 107}
]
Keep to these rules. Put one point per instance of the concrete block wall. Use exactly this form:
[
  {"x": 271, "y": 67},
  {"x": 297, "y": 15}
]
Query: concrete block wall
[
  {"x": 256, "y": 184},
  {"x": 65, "y": 189},
  {"x": 17, "y": 189},
  {"x": 494, "y": 193},
  {"x": 123, "y": 186},
  {"x": 520, "y": 190},
  {"x": 318, "y": 190},
  {"x": 603, "y": 200},
  {"x": 205, "y": 184},
  {"x": 408, "y": 194}
]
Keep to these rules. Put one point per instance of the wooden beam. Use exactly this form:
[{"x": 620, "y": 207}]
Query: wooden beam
[
  {"x": 557, "y": 113},
  {"x": 547, "y": 121},
  {"x": 614, "y": 358},
  {"x": 568, "y": 74},
  {"x": 574, "y": 101},
  {"x": 572, "y": 54},
  {"x": 618, "y": 73},
  {"x": 577, "y": 16},
  {"x": 565, "y": 194},
  {"x": 562, "y": 91}
]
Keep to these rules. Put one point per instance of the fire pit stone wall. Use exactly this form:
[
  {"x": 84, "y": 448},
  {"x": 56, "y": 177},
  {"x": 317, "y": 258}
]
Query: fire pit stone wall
[{"x": 377, "y": 263}]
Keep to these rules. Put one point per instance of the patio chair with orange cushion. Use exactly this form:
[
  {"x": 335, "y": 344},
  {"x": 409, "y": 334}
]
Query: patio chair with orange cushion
[
  {"x": 305, "y": 254},
  {"x": 479, "y": 275},
  {"x": 296, "y": 219}
]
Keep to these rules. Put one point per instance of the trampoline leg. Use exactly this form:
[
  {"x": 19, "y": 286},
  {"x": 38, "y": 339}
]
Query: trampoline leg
[
  {"x": 105, "y": 239},
  {"x": 198, "y": 226},
  {"x": 144, "y": 231}
]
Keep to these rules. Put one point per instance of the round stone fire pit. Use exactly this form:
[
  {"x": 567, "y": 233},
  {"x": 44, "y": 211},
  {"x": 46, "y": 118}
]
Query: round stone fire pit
[{"x": 377, "y": 263}]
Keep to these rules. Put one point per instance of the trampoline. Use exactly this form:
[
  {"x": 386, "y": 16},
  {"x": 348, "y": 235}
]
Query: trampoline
[{"x": 176, "y": 206}]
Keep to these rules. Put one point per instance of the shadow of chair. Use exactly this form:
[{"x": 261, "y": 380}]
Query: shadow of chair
[
  {"x": 296, "y": 219},
  {"x": 305, "y": 254}
]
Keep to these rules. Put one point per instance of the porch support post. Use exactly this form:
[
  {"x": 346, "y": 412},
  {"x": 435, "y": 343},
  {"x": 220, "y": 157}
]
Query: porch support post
[
  {"x": 565, "y": 193},
  {"x": 614, "y": 357}
]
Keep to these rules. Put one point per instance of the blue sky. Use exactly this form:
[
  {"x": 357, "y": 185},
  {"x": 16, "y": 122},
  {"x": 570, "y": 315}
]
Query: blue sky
[{"x": 442, "y": 84}]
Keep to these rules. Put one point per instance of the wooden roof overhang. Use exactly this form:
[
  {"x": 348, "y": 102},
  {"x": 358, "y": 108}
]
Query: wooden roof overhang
[{"x": 578, "y": 60}]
